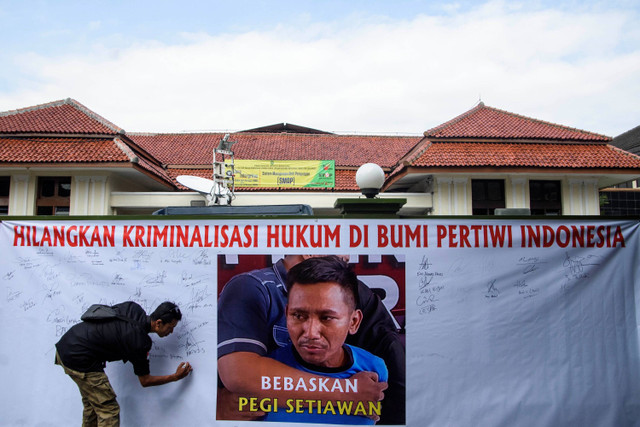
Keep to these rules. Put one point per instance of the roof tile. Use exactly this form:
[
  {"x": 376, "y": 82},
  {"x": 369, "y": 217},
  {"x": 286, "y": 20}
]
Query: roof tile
[
  {"x": 75, "y": 150},
  {"x": 482, "y": 122},
  {"x": 60, "y": 117},
  {"x": 477, "y": 154},
  {"x": 346, "y": 150}
]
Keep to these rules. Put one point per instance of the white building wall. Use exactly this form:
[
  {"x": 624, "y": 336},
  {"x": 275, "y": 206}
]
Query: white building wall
[
  {"x": 452, "y": 195},
  {"x": 90, "y": 195},
  {"x": 21, "y": 195},
  {"x": 94, "y": 195},
  {"x": 517, "y": 192},
  {"x": 581, "y": 197}
]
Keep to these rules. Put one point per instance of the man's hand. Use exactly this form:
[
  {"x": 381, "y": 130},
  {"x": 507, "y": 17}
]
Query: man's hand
[
  {"x": 183, "y": 370},
  {"x": 369, "y": 389},
  {"x": 228, "y": 407}
]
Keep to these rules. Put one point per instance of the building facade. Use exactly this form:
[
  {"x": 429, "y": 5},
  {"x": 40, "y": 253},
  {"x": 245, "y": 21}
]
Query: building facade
[{"x": 61, "y": 158}]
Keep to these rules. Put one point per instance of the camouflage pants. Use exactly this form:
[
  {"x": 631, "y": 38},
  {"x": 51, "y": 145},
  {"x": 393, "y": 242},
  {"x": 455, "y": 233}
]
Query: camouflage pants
[{"x": 98, "y": 398}]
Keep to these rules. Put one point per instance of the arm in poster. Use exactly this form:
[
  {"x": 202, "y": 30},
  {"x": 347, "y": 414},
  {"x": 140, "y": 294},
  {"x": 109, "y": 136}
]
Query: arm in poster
[
  {"x": 242, "y": 373},
  {"x": 378, "y": 335}
]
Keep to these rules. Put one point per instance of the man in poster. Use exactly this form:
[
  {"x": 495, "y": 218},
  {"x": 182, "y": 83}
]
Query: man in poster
[
  {"x": 321, "y": 313},
  {"x": 252, "y": 324}
]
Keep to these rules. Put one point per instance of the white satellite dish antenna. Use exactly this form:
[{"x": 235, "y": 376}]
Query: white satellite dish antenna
[
  {"x": 210, "y": 190},
  {"x": 196, "y": 183}
]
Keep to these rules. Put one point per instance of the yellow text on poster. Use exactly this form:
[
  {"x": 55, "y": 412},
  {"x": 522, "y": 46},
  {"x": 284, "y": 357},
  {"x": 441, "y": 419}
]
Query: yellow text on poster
[{"x": 285, "y": 173}]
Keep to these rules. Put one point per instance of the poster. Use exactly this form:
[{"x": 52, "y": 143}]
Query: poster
[
  {"x": 504, "y": 322},
  {"x": 285, "y": 173}
]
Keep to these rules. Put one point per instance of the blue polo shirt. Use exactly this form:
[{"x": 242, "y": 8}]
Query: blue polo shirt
[
  {"x": 358, "y": 360},
  {"x": 251, "y": 312}
]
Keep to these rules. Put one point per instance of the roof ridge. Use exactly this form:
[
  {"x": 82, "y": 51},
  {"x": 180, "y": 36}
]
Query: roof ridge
[
  {"x": 481, "y": 105},
  {"x": 544, "y": 122},
  {"x": 301, "y": 135},
  {"x": 620, "y": 150},
  {"x": 34, "y": 107},
  {"x": 126, "y": 150},
  {"x": 71, "y": 102},
  {"x": 93, "y": 115},
  {"x": 416, "y": 155},
  {"x": 455, "y": 119},
  {"x": 177, "y": 133}
]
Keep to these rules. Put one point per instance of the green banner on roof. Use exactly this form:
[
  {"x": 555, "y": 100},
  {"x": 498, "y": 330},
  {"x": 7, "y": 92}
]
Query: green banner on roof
[{"x": 285, "y": 173}]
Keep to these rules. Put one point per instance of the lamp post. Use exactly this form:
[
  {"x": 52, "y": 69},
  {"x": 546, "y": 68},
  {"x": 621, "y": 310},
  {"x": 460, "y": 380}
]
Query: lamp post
[{"x": 370, "y": 178}]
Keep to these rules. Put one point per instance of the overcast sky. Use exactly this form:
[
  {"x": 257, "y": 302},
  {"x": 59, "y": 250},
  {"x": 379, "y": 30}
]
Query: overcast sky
[{"x": 365, "y": 66}]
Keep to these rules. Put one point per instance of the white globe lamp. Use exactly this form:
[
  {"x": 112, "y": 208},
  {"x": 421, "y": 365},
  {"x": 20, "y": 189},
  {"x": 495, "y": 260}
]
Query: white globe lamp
[{"x": 370, "y": 178}]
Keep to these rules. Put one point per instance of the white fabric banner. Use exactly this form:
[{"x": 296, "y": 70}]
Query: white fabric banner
[{"x": 506, "y": 322}]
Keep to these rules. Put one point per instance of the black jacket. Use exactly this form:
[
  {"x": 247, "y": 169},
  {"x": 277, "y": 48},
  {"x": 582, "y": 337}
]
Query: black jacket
[{"x": 87, "y": 346}]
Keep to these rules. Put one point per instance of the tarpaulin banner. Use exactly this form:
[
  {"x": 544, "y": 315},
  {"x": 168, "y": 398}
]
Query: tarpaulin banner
[
  {"x": 285, "y": 173},
  {"x": 466, "y": 321}
]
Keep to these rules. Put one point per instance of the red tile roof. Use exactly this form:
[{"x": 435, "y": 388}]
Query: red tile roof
[
  {"x": 346, "y": 150},
  {"x": 482, "y": 122},
  {"x": 74, "y": 150},
  {"x": 481, "y": 137},
  {"x": 478, "y": 154},
  {"x": 54, "y": 150},
  {"x": 60, "y": 117},
  {"x": 345, "y": 180}
]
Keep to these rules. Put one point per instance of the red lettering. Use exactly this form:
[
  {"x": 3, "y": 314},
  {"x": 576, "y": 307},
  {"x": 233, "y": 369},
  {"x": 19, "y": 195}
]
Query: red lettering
[
  {"x": 46, "y": 237},
  {"x": 272, "y": 236},
  {"x": 383, "y": 240},
  {"x": 58, "y": 236},
  {"x": 223, "y": 234},
  {"x": 247, "y": 235},
  {"x": 196, "y": 237},
  {"x": 109, "y": 235},
  {"x": 332, "y": 235},
  {"x": 452, "y": 235},
  {"x": 301, "y": 241},
  {"x": 126, "y": 236},
  {"x": 464, "y": 237},
  {"x": 139, "y": 236},
  {"x": 235, "y": 237},
  {"x": 618, "y": 238},
  {"x": 71, "y": 238},
  {"x": 18, "y": 236},
  {"x": 441, "y": 232},
  {"x": 95, "y": 237}
]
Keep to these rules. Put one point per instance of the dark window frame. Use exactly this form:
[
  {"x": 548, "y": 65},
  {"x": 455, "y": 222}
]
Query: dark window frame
[
  {"x": 487, "y": 195},
  {"x": 5, "y": 188},
  {"x": 545, "y": 197},
  {"x": 53, "y": 196}
]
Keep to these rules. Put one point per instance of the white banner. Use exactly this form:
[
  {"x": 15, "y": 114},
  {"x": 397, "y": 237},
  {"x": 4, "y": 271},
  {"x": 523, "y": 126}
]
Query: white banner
[{"x": 506, "y": 322}]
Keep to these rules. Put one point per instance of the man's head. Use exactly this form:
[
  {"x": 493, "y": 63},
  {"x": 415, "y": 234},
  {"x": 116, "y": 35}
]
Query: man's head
[
  {"x": 321, "y": 309},
  {"x": 165, "y": 318}
]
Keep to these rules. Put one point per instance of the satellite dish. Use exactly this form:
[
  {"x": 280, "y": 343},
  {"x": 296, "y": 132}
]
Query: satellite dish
[
  {"x": 214, "y": 193},
  {"x": 196, "y": 183}
]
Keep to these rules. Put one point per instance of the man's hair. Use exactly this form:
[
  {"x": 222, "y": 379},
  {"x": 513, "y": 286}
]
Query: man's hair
[
  {"x": 167, "y": 312},
  {"x": 325, "y": 269}
]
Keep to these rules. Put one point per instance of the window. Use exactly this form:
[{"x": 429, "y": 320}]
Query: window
[
  {"x": 5, "y": 183},
  {"x": 545, "y": 197},
  {"x": 53, "y": 196},
  {"x": 487, "y": 195},
  {"x": 620, "y": 203}
]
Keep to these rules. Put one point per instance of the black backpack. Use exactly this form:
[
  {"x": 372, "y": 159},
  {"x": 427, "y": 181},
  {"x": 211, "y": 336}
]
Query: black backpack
[
  {"x": 103, "y": 313},
  {"x": 99, "y": 313}
]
